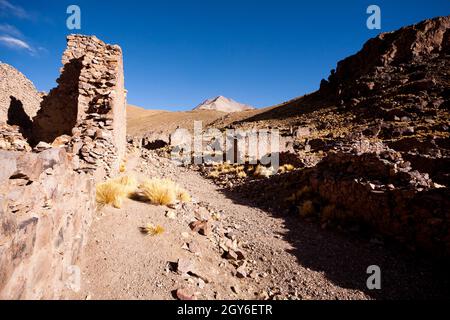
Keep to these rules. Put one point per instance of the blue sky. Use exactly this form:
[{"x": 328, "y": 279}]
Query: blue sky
[{"x": 179, "y": 53}]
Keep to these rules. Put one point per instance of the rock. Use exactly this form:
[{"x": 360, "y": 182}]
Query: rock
[
  {"x": 240, "y": 255},
  {"x": 235, "y": 255},
  {"x": 201, "y": 227},
  {"x": 185, "y": 266},
  {"x": 194, "y": 247},
  {"x": 185, "y": 294},
  {"x": 8, "y": 165},
  {"x": 202, "y": 214},
  {"x": 231, "y": 235},
  {"x": 232, "y": 255},
  {"x": 185, "y": 235},
  {"x": 171, "y": 214},
  {"x": 236, "y": 289},
  {"x": 241, "y": 272}
]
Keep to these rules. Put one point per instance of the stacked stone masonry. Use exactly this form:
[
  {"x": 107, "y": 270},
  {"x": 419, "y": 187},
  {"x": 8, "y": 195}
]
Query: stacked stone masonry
[
  {"x": 94, "y": 114},
  {"x": 19, "y": 99},
  {"x": 52, "y": 153}
]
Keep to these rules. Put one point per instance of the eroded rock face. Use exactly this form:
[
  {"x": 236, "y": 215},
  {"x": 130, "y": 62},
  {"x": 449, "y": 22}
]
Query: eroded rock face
[
  {"x": 413, "y": 43},
  {"x": 45, "y": 212},
  {"x": 19, "y": 99}
]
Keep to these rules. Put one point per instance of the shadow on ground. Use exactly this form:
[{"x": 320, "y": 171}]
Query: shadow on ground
[{"x": 344, "y": 256}]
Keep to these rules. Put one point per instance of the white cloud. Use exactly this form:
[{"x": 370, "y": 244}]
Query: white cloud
[
  {"x": 15, "y": 43},
  {"x": 10, "y": 30},
  {"x": 11, "y": 9}
]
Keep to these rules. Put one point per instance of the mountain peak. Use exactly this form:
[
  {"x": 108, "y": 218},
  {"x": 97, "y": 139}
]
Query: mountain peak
[{"x": 224, "y": 104}]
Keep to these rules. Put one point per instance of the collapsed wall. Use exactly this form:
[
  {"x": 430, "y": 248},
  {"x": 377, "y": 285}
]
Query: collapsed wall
[{"x": 48, "y": 171}]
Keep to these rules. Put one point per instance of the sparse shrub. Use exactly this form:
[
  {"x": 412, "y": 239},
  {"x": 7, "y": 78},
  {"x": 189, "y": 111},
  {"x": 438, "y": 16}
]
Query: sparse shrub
[
  {"x": 110, "y": 192},
  {"x": 164, "y": 192},
  {"x": 152, "y": 230},
  {"x": 306, "y": 209}
]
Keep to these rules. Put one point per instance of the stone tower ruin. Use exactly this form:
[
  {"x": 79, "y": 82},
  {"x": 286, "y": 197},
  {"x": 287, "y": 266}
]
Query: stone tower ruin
[{"x": 89, "y": 105}]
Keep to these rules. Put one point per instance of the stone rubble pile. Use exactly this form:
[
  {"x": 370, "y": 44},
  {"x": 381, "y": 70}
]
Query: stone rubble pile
[{"x": 11, "y": 139}]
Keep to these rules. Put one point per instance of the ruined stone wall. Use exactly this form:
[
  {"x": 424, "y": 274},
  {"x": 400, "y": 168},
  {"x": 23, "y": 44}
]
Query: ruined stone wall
[
  {"x": 89, "y": 104},
  {"x": 45, "y": 212},
  {"x": 100, "y": 133},
  {"x": 19, "y": 99},
  {"x": 47, "y": 196}
]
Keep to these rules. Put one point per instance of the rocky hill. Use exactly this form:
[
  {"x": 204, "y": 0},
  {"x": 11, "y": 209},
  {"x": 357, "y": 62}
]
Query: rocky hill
[{"x": 375, "y": 139}]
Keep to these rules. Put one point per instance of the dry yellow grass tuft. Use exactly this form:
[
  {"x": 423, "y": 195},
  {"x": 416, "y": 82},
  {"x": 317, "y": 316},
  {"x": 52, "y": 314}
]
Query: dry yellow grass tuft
[
  {"x": 110, "y": 192},
  {"x": 242, "y": 174},
  {"x": 183, "y": 195},
  {"x": 214, "y": 174},
  {"x": 160, "y": 191},
  {"x": 164, "y": 192},
  {"x": 122, "y": 168},
  {"x": 128, "y": 182},
  {"x": 263, "y": 172},
  {"x": 286, "y": 168},
  {"x": 152, "y": 230}
]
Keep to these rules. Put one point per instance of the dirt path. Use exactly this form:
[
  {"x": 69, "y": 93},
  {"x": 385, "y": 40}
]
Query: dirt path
[{"x": 284, "y": 258}]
